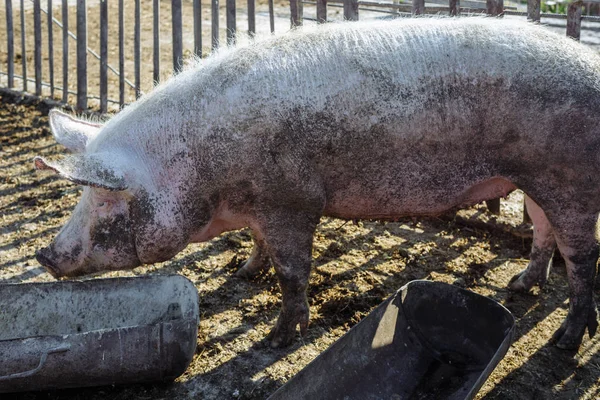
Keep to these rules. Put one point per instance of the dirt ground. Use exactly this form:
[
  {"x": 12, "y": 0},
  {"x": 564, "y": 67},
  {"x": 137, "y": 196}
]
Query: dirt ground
[{"x": 356, "y": 266}]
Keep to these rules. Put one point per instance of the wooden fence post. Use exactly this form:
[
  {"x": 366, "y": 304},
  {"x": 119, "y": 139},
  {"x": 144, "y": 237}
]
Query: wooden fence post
[
  {"x": 295, "y": 13},
  {"x": 121, "y": 55},
  {"x": 177, "y": 35},
  {"x": 137, "y": 48},
  {"x": 418, "y": 7},
  {"x": 215, "y": 23},
  {"x": 495, "y": 7},
  {"x": 230, "y": 20},
  {"x": 10, "y": 45},
  {"x": 37, "y": 50},
  {"x": 251, "y": 17},
  {"x": 321, "y": 11},
  {"x": 351, "y": 10},
  {"x": 23, "y": 48},
  {"x": 198, "y": 28},
  {"x": 454, "y": 6},
  {"x": 50, "y": 49},
  {"x": 156, "y": 41},
  {"x": 81, "y": 55},
  {"x": 272, "y": 16},
  {"x": 533, "y": 10},
  {"x": 65, "y": 47},
  {"x": 574, "y": 20},
  {"x": 103, "y": 55}
]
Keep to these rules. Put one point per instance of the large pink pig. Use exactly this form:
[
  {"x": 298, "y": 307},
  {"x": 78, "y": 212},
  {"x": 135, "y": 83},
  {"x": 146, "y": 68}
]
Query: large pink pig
[{"x": 350, "y": 120}]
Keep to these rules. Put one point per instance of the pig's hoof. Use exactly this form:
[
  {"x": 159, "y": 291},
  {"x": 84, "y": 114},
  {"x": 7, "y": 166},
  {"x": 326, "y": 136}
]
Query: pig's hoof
[
  {"x": 570, "y": 335},
  {"x": 252, "y": 267},
  {"x": 524, "y": 281},
  {"x": 284, "y": 332}
]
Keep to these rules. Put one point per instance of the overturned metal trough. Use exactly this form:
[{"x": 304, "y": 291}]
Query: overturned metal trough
[
  {"x": 96, "y": 332},
  {"x": 430, "y": 340}
]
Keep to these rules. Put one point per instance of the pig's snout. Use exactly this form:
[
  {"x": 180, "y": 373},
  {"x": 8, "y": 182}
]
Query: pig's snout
[{"x": 43, "y": 256}]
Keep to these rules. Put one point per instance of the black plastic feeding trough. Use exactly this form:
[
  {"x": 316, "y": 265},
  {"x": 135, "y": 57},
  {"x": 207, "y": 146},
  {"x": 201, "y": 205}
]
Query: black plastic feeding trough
[
  {"x": 430, "y": 340},
  {"x": 96, "y": 332}
]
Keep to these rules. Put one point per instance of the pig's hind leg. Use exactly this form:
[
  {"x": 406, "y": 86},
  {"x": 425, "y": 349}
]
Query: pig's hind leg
[
  {"x": 574, "y": 231},
  {"x": 258, "y": 261},
  {"x": 542, "y": 251}
]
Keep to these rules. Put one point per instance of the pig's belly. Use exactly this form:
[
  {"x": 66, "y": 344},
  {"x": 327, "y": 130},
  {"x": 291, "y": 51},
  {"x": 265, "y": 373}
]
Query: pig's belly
[{"x": 361, "y": 201}]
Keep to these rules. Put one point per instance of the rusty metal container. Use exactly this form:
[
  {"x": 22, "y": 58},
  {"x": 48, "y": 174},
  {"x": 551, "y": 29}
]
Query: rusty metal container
[
  {"x": 96, "y": 332},
  {"x": 430, "y": 340}
]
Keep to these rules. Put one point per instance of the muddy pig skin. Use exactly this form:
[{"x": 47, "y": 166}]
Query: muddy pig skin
[{"x": 352, "y": 120}]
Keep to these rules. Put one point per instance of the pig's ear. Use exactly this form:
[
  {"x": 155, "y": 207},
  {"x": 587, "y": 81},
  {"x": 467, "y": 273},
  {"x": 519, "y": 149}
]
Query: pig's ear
[
  {"x": 72, "y": 133},
  {"x": 87, "y": 170}
]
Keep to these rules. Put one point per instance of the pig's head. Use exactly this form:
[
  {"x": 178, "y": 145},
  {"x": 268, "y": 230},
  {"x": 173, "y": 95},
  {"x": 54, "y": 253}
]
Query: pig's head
[{"x": 117, "y": 224}]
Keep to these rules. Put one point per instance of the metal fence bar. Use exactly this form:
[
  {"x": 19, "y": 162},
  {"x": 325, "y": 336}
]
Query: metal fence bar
[
  {"x": 230, "y": 19},
  {"x": 198, "y": 28},
  {"x": 137, "y": 37},
  {"x": 251, "y": 17},
  {"x": 23, "y": 48},
  {"x": 50, "y": 49},
  {"x": 37, "y": 50},
  {"x": 177, "y": 35},
  {"x": 574, "y": 20},
  {"x": 103, "y": 55},
  {"x": 533, "y": 10},
  {"x": 10, "y": 44},
  {"x": 272, "y": 15},
  {"x": 81, "y": 55},
  {"x": 214, "y": 9},
  {"x": 351, "y": 10},
  {"x": 321, "y": 11},
  {"x": 156, "y": 40},
  {"x": 65, "y": 46},
  {"x": 121, "y": 55}
]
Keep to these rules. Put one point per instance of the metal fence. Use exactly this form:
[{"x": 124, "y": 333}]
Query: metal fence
[{"x": 131, "y": 41}]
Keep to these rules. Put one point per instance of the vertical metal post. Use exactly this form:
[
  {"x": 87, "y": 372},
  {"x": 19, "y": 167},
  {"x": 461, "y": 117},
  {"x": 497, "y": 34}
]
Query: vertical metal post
[
  {"x": 10, "y": 45},
  {"x": 23, "y": 47},
  {"x": 574, "y": 20},
  {"x": 65, "y": 46},
  {"x": 251, "y": 17},
  {"x": 454, "y": 7},
  {"x": 137, "y": 34},
  {"x": 418, "y": 7},
  {"x": 230, "y": 18},
  {"x": 272, "y": 16},
  {"x": 81, "y": 54},
  {"x": 177, "y": 35},
  {"x": 121, "y": 56},
  {"x": 215, "y": 23},
  {"x": 350, "y": 10},
  {"x": 103, "y": 55},
  {"x": 50, "y": 49},
  {"x": 156, "y": 40},
  {"x": 37, "y": 50},
  {"x": 198, "y": 28},
  {"x": 533, "y": 10},
  {"x": 321, "y": 11}
]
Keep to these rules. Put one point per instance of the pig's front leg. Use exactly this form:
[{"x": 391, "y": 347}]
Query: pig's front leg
[
  {"x": 258, "y": 261},
  {"x": 542, "y": 251},
  {"x": 288, "y": 234}
]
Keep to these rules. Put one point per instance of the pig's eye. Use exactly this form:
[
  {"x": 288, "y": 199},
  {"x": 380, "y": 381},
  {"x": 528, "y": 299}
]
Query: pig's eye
[{"x": 101, "y": 204}]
